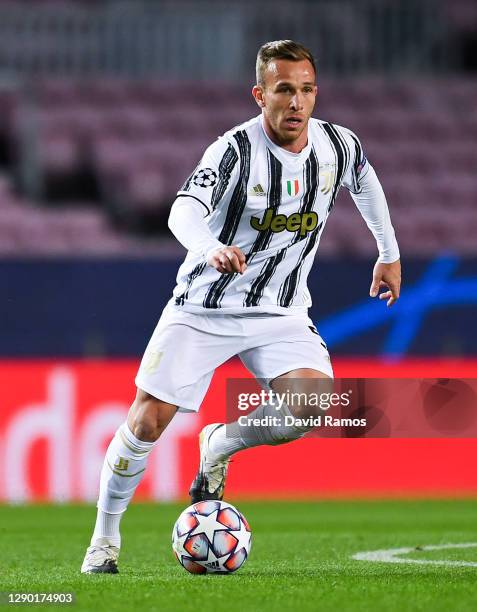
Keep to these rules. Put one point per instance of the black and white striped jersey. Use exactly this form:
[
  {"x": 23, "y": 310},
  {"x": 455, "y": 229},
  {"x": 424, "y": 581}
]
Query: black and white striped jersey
[{"x": 273, "y": 204}]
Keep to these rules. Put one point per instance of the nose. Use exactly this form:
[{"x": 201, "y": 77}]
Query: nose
[{"x": 296, "y": 102}]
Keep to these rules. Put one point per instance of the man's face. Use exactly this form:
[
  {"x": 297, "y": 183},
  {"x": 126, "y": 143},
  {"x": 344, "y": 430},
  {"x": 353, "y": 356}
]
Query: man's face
[{"x": 287, "y": 99}]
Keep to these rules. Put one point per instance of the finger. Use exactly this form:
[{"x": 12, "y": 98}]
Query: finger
[
  {"x": 243, "y": 268},
  {"x": 217, "y": 261},
  {"x": 373, "y": 290},
  {"x": 394, "y": 295},
  {"x": 234, "y": 261},
  {"x": 221, "y": 268},
  {"x": 385, "y": 296},
  {"x": 394, "y": 288},
  {"x": 230, "y": 255},
  {"x": 240, "y": 254},
  {"x": 225, "y": 263}
]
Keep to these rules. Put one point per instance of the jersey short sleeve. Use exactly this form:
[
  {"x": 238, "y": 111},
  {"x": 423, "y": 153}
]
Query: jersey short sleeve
[
  {"x": 215, "y": 175},
  {"x": 358, "y": 165}
]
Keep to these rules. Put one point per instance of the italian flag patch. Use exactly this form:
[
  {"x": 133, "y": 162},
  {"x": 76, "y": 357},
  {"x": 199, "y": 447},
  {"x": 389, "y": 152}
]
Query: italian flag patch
[{"x": 293, "y": 187}]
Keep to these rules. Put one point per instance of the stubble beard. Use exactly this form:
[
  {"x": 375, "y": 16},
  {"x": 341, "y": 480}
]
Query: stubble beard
[{"x": 291, "y": 137}]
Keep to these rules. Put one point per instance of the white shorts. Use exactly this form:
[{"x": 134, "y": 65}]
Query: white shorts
[{"x": 185, "y": 349}]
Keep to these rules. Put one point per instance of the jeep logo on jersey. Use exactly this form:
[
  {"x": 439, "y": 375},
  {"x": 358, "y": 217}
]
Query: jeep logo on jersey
[
  {"x": 296, "y": 222},
  {"x": 293, "y": 187},
  {"x": 206, "y": 177}
]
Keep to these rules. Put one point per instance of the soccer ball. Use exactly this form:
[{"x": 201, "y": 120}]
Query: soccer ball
[{"x": 211, "y": 537}]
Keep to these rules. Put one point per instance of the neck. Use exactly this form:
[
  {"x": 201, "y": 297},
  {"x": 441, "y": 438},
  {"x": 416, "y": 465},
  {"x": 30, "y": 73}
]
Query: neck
[{"x": 294, "y": 146}]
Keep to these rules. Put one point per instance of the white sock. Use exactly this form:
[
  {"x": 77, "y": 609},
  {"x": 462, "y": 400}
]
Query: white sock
[
  {"x": 123, "y": 469},
  {"x": 107, "y": 526},
  {"x": 225, "y": 441}
]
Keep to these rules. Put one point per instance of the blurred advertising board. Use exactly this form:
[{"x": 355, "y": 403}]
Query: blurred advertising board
[{"x": 57, "y": 417}]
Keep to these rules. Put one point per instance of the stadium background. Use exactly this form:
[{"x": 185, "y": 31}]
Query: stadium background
[{"x": 105, "y": 109}]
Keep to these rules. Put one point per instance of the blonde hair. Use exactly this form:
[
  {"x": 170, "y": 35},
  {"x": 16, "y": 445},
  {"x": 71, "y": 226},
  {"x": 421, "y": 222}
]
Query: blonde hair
[{"x": 280, "y": 49}]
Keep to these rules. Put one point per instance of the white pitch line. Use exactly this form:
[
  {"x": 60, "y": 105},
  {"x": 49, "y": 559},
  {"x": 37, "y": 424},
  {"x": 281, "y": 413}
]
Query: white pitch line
[{"x": 390, "y": 555}]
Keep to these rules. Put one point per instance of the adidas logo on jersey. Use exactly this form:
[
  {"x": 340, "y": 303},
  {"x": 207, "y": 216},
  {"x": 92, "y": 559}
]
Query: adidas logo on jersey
[{"x": 257, "y": 190}]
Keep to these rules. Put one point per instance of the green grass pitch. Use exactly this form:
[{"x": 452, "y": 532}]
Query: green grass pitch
[{"x": 300, "y": 560}]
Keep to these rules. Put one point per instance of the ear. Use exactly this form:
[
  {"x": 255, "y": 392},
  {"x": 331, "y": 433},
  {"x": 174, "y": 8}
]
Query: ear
[{"x": 257, "y": 93}]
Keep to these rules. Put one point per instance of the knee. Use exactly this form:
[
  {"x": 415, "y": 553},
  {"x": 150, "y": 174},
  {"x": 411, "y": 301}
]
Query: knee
[{"x": 149, "y": 416}]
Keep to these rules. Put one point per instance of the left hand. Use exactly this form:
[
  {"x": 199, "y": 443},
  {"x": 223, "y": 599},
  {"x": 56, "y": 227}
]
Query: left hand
[{"x": 386, "y": 275}]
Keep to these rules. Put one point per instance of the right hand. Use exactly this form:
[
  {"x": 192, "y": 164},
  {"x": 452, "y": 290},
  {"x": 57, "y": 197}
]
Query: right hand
[{"x": 228, "y": 260}]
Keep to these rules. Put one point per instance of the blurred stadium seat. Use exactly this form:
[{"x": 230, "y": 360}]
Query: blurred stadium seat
[
  {"x": 136, "y": 142},
  {"x": 95, "y": 122}
]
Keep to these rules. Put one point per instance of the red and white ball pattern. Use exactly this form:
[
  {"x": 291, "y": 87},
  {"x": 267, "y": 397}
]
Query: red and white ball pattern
[{"x": 211, "y": 537}]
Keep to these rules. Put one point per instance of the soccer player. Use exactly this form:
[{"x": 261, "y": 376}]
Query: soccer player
[{"x": 251, "y": 215}]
